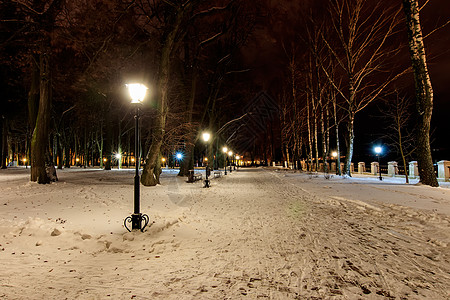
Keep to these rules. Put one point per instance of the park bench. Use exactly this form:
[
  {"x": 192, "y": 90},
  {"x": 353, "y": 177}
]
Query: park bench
[{"x": 192, "y": 177}]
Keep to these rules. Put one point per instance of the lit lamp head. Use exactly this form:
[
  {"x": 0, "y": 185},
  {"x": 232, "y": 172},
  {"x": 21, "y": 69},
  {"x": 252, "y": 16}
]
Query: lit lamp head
[
  {"x": 378, "y": 150},
  {"x": 238, "y": 157},
  {"x": 230, "y": 153},
  {"x": 118, "y": 156},
  {"x": 163, "y": 159},
  {"x": 179, "y": 156},
  {"x": 225, "y": 149},
  {"x": 334, "y": 154},
  {"x": 137, "y": 92},
  {"x": 206, "y": 136}
]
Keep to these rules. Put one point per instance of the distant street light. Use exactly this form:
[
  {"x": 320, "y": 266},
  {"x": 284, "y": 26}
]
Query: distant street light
[
  {"x": 225, "y": 150},
  {"x": 178, "y": 156},
  {"x": 378, "y": 151},
  {"x": 25, "y": 163},
  {"x": 206, "y": 136},
  {"x": 230, "y": 153},
  {"x": 334, "y": 154},
  {"x": 137, "y": 93}
]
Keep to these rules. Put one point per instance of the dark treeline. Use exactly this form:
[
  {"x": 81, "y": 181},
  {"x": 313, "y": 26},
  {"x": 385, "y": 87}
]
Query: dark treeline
[{"x": 64, "y": 66}]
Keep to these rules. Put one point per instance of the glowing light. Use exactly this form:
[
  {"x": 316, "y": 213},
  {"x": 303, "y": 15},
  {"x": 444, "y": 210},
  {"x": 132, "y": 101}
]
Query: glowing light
[
  {"x": 163, "y": 159},
  {"x": 24, "y": 160},
  {"x": 230, "y": 153},
  {"x": 179, "y": 156},
  {"x": 118, "y": 155},
  {"x": 378, "y": 149},
  {"x": 77, "y": 159},
  {"x": 238, "y": 157},
  {"x": 137, "y": 92},
  {"x": 105, "y": 159},
  {"x": 206, "y": 136},
  {"x": 334, "y": 154},
  {"x": 225, "y": 149},
  {"x": 205, "y": 159},
  {"x": 132, "y": 159}
]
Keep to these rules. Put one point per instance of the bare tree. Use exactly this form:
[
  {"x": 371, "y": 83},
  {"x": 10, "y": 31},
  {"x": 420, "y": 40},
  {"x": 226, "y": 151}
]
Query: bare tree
[
  {"x": 398, "y": 117},
  {"x": 358, "y": 43},
  {"x": 424, "y": 92}
]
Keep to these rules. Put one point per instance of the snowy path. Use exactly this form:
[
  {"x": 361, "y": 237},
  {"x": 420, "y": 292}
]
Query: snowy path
[{"x": 256, "y": 234}]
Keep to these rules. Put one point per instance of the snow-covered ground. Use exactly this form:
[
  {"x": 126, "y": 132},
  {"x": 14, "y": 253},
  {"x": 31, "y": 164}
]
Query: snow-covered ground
[{"x": 256, "y": 233}]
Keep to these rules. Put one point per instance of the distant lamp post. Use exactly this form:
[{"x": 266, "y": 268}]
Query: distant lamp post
[
  {"x": 238, "y": 157},
  {"x": 179, "y": 157},
  {"x": 225, "y": 150},
  {"x": 230, "y": 153},
  {"x": 163, "y": 160},
  {"x": 25, "y": 162},
  {"x": 206, "y": 136},
  {"x": 334, "y": 154},
  {"x": 378, "y": 151},
  {"x": 118, "y": 157},
  {"x": 137, "y": 93}
]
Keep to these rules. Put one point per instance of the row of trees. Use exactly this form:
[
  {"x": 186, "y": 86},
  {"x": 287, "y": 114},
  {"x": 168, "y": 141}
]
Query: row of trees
[
  {"x": 74, "y": 58},
  {"x": 356, "y": 54}
]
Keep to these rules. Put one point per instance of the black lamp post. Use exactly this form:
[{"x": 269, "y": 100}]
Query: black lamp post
[
  {"x": 225, "y": 150},
  {"x": 334, "y": 154},
  {"x": 206, "y": 136},
  {"x": 378, "y": 151},
  {"x": 138, "y": 221},
  {"x": 230, "y": 153}
]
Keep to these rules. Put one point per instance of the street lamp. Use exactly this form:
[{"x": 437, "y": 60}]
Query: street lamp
[
  {"x": 238, "y": 157},
  {"x": 334, "y": 154},
  {"x": 206, "y": 136},
  {"x": 378, "y": 151},
  {"x": 137, "y": 93},
  {"x": 229, "y": 154},
  {"x": 225, "y": 150}
]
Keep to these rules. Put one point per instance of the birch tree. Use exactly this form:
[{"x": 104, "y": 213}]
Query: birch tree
[
  {"x": 423, "y": 91},
  {"x": 358, "y": 43}
]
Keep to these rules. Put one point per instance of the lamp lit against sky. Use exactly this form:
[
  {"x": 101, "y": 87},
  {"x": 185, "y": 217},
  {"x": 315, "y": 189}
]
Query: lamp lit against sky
[
  {"x": 230, "y": 153},
  {"x": 334, "y": 154},
  {"x": 118, "y": 156},
  {"x": 225, "y": 149},
  {"x": 137, "y": 92},
  {"x": 163, "y": 159},
  {"x": 179, "y": 156},
  {"x": 206, "y": 136},
  {"x": 378, "y": 149}
]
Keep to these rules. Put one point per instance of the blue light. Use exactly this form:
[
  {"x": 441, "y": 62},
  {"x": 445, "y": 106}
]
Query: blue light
[
  {"x": 378, "y": 149},
  {"x": 179, "y": 156}
]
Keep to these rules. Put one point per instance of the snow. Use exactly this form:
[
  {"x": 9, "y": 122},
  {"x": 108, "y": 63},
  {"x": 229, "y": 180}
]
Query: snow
[{"x": 256, "y": 233}]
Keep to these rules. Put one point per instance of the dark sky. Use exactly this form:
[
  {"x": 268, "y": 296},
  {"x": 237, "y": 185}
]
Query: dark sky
[{"x": 283, "y": 21}]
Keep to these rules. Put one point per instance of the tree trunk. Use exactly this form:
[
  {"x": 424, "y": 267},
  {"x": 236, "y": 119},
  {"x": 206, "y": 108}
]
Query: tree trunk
[
  {"x": 39, "y": 141},
  {"x": 424, "y": 93},
  {"x": 336, "y": 124},
  {"x": 4, "y": 149},
  {"x": 351, "y": 137},
  {"x": 151, "y": 172}
]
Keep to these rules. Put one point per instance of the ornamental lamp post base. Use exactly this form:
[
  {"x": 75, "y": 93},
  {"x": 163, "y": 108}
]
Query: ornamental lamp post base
[{"x": 138, "y": 222}]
